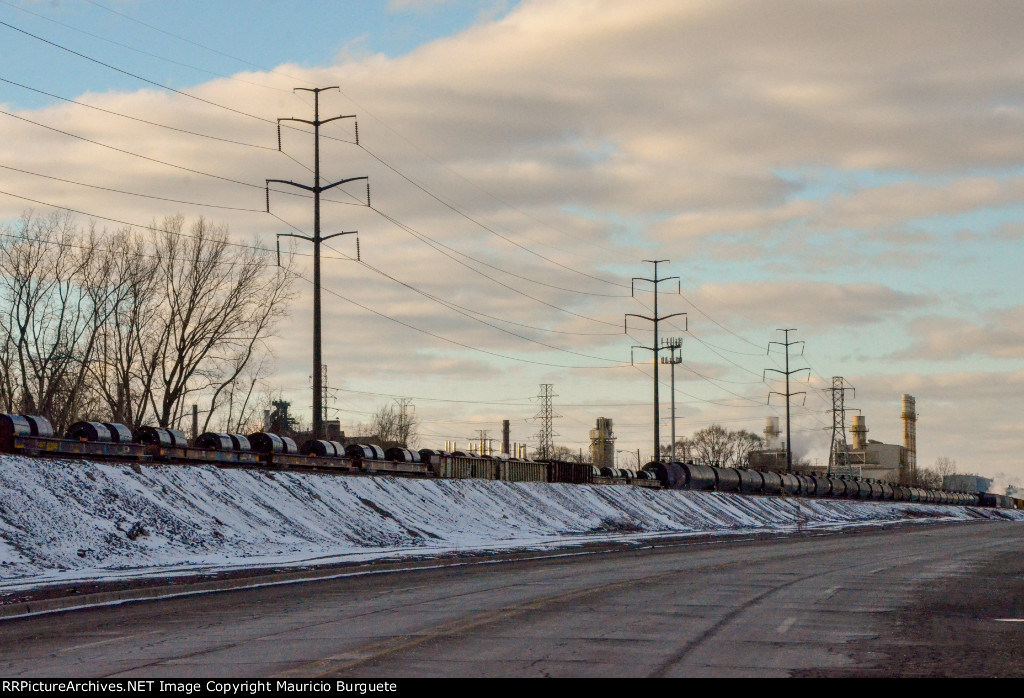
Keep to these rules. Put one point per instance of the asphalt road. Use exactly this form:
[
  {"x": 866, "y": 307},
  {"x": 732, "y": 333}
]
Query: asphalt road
[{"x": 910, "y": 600}]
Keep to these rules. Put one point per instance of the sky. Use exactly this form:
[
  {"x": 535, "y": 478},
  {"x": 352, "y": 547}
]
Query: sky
[{"x": 853, "y": 170}]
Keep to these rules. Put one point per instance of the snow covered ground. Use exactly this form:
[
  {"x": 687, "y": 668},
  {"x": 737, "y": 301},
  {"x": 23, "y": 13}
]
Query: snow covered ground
[{"x": 64, "y": 521}]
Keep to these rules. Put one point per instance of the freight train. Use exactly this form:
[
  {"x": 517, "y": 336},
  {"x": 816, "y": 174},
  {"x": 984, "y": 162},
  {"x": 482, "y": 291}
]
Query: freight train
[{"x": 34, "y": 436}]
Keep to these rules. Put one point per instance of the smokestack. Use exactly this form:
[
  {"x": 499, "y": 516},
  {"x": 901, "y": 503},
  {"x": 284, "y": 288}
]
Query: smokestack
[
  {"x": 909, "y": 416},
  {"x": 504, "y": 436},
  {"x": 860, "y": 433},
  {"x": 771, "y": 431}
]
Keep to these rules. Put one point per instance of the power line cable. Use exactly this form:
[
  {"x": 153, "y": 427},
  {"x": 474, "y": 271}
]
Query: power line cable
[
  {"x": 134, "y": 75},
  {"x": 381, "y": 160},
  {"x": 453, "y": 341},
  {"x": 141, "y": 226},
  {"x": 193, "y": 43},
  {"x": 483, "y": 226},
  {"x": 130, "y": 193},
  {"x": 453, "y": 305},
  {"x": 361, "y": 107},
  {"x": 134, "y": 118},
  {"x": 140, "y": 51},
  {"x": 261, "y": 187},
  {"x": 437, "y": 245}
]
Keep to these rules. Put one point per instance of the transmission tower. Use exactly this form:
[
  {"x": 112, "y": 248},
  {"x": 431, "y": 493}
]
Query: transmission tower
[
  {"x": 546, "y": 435},
  {"x": 405, "y": 419},
  {"x": 316, "y": 239},
  {"x": 328, "y": 394},
  {"x": 484, "y": 436},
  {"x": 655, "y": 347},
  {"x": 674, "y": 345},
  {"x": 839, "y": 452},
  {"x": 787, "y": 373}
]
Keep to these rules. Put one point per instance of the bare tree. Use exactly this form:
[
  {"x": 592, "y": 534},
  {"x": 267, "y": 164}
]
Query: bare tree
[
  {"x": 132, "y": 327},
  {"x": 711, "y": 445},
  {"x": 741, "y": 444},
  {"x": 945, "y": 466},
  {"x": 391, "y": 426},
  {"x": 927, "y": 478},
  {"x": 118, "y": 369},
  {"x": 54, "y": 295},
  {"x": 220, "y": 304},
  {"x": 717, "y": 445}
]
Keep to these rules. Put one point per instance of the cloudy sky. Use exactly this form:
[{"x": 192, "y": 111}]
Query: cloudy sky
[{"x": 853, "y": 170}]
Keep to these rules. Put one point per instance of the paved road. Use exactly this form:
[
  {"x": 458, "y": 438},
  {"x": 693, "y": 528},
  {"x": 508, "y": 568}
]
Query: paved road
[{"x": 836, "y": 604}]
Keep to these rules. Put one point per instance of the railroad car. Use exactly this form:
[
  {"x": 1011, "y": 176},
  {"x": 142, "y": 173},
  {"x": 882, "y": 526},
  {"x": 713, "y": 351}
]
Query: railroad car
[{"x": 34, "y": 436}]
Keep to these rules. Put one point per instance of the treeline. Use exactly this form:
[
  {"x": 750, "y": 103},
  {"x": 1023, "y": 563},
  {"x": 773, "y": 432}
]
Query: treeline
[
  {"x": 716, "y": 445},
  {"x": 135, "y": 326}
]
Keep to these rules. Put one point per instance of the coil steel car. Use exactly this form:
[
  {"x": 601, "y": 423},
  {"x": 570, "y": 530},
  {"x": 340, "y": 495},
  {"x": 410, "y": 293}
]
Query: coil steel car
[{"x": 34, "y": 436}]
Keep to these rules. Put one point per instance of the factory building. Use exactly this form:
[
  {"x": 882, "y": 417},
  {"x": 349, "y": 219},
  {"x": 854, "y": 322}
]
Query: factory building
[
  {"x": 889, "y": 462},
  {"x": 966, "y": 483},
  {"x": 866, "y": 457},
  {"x": 773, "y": 455}
]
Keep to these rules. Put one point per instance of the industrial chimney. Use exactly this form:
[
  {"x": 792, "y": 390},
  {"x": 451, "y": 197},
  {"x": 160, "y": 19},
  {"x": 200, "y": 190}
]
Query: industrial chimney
[
  {"x": 860, "y": 433},
  {"x": 771, "y": 432},
  {"x": 909, "y": 416}
]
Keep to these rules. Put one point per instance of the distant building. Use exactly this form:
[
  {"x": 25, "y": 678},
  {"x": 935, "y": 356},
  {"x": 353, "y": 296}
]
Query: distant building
[
  {"x": 966, "y": 483},
  {"x": 767, "y": 460},
  {"x": 881, "y": 461}
]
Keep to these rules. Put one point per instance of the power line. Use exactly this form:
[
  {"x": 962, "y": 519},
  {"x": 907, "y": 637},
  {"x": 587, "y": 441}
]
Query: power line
[
  {"x": 193, "y": 43},
  {"x": 361, "y": 107},
  {"x": 253, "y": 116},
  {"x": 137, "y": 225},
  {"x": 134, "y": 118},
  {"x": 151, "y": 159},
  {"x": 131, "y": 74},
  {"x": 469, "y": 314},
  {"x": 483, "y": 226},
  {"x": 787, "y": 344},
  {"x": 430, "y": 242},
  {"x": 453, "y": 341},
  {"x": 130, "y": 193}
]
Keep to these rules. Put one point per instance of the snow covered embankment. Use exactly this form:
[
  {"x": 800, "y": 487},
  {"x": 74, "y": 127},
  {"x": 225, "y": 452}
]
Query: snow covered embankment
[{"x": 65, "y": 520}]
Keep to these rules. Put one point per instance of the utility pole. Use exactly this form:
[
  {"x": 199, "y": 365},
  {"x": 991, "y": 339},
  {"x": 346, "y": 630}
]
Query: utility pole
[
  {"x": 787, "y": 344},
  {"x": 656, "y": 348},
  {"x": 839, "y": 452},
  {"x": 316, "y": 239},
  {"x": 673, "y": 344}
]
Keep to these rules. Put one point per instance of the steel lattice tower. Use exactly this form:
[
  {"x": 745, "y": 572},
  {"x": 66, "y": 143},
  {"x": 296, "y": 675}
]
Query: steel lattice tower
[
  {"x": 546, "y": 435},
  {"x": 839, "y": 453}
]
